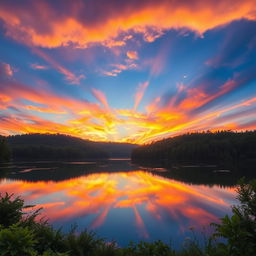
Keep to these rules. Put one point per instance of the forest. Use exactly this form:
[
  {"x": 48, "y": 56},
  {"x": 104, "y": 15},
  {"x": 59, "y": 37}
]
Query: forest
[
  {"x": 205, "y": 147},
  {"x": 5, "y": 152},
  {"x": 52, "y": 146},
  {"x": 59, "y": 147}
]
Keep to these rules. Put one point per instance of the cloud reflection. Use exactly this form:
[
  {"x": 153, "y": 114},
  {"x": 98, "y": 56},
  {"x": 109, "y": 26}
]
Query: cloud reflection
[{"x": 98, "y": 195}]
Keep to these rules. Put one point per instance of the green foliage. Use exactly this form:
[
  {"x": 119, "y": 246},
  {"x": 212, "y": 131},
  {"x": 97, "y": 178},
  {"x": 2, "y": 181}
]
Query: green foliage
[
  {"x": 51, "y": 253},
  {"x": 47, "y": 237},
  {"x": 240, "y": 228},
  {"x": 17, "y": 241},
  {"x": 157, "y": 248},
  {"x": 83, "y": 244},
  {"x": 10, "y": 210},
  {"x": 107, "y": 249}
]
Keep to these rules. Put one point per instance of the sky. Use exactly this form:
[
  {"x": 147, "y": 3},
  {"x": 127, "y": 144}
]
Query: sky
[{"x": 127, "y": 71}]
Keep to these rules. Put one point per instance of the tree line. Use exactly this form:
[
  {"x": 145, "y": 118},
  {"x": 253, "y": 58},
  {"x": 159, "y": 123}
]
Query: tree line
[
  {"x": 205, "y": 147},
  {"x": 52, "y": 147},
  {"x": 38, "y": 146},
  {"x": 5, "y": 152}
]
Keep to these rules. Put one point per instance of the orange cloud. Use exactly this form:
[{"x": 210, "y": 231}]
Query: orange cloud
[
  {"x": 84, "y": 112},
  {"x": 4, "y": 98},
  {"x": 76, "y": 27},
  {"x": 98, "y": 121},
  {"x": 118, "y": 68},
  {"x": 198, "y": 97},
  {"x": 44, "y": 110},
  {"x": 132, "y": 55}
]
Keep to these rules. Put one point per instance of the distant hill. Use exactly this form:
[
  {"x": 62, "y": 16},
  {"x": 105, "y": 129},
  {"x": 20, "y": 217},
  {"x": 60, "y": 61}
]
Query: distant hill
[
  {"x": 59, "y": 146},
  {"x": 116, "y": 149},
  {"x": 206, "y": 147}
]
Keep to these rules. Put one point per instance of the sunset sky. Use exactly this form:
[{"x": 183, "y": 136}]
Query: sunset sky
[{"x": 128, "y": 71}]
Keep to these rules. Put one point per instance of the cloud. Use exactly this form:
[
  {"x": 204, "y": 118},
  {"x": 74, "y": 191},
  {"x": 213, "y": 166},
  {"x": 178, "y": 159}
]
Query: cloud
[
  {"x": 17, "y": 92},
  {"x": 140, "y": 93},
  {"x": 78, "y": 117},
  {"x": 111, "y": 73},
  {"x": 44, "y": 109},
  {"x": 235, "y": 50},
  {"x": 4, "y": 101},
  {"x": 119, "y": 68},
  {"x": 5, "y": 70},
  {"x": 132, "y": 55},
  {"x": 215, "y": 98},
  {"x": 37, "y": 66},
  {"x": 90, "y": 121},
  {"x": 80, "y": 24},
  {"x": 100, "y": 96},
  {"x": 69, "y": 76}
]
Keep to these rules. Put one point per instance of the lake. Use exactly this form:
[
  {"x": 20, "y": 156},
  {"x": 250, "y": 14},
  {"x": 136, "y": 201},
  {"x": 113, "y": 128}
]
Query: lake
[{"x": 121, "y": 201}]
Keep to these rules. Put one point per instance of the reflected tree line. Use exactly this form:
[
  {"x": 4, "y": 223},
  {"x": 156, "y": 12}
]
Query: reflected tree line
[
  {"x": 60, "y": 171},
  {"x": 207, "y": 176},
  {"x": 206, "y": 147}
]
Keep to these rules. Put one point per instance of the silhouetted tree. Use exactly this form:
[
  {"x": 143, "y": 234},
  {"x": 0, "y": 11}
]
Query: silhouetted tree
[
  {"x": 4, "y": 150},
  {"x": 222, "y": 146},
  {"x": 60, "y": 146},
  {"x": 53, "y": 147}
]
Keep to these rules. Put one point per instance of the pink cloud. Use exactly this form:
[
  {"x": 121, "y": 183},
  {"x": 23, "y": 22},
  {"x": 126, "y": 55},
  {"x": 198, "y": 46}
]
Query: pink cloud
[
  {"x": 37, "y": 66},
  {"x": 101, "y": 97},
  {"x": 5, "y": 70},
  {"x": 140, "y": 93},
  {"x": 69, "y": 76}
]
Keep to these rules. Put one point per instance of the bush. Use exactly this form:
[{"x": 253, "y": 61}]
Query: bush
[
  {"x": 157, "y": 248},
  {"x": 17, "y": 241},
  {"x": 47, "y": 237},
  {"x": 51, "y": 253},
  {"x": 10, "y": 210},
  {"x": 83, "y": 244},
  {"x": 240, "y": 228}
]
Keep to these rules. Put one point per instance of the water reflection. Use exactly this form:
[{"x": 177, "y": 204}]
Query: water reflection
[{"x": 126, "y": 205}]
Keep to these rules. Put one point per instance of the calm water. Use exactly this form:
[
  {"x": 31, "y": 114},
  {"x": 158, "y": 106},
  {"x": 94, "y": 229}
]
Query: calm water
[{"x": 121, "y": 201}]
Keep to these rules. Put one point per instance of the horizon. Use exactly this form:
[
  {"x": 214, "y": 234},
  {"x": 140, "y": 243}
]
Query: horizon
[
  {"x": 151, "y": 142},
  {"x": 130, "y": 72}
]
